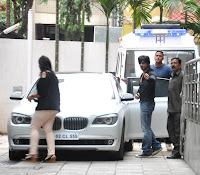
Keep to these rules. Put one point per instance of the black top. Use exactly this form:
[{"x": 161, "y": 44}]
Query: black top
[
  {"x": 49, "y": 93},
  {"x": 147, "y": 87},
  {"x": 174, "y": 90}
]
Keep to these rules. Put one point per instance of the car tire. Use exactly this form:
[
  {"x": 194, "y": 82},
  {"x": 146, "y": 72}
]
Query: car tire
[
  {"x": 128, "y": 146},
  {"x": 119, "y": 155},
  {"x": 16, "y": 155}
]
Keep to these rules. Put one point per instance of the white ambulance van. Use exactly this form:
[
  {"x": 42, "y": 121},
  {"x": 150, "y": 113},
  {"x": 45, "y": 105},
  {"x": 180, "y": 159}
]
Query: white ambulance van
[{"x": 174, "y": 42}]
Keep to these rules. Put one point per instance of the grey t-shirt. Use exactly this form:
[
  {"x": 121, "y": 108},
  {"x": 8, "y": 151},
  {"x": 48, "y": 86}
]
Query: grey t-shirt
[
  {"x": 174, "y": 90},
  {"x": 164, "y": 71}
]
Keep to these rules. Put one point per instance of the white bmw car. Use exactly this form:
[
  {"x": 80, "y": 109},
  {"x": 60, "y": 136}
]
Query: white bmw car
[{"x": 94, "y": 116}]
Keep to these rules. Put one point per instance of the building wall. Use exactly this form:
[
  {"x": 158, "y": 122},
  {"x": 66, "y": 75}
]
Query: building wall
[
  {"x": 45, "y": 13},
  {"x": 12, "y": 74},
  {"x": 100, "y": 34},
  {"x": 13, "y": 55}
]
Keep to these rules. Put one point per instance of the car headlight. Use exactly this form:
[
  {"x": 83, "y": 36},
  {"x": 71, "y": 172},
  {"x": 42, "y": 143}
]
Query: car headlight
[
  {"x": 21, "y": 119},
  {"x": 108, "y": 119}
]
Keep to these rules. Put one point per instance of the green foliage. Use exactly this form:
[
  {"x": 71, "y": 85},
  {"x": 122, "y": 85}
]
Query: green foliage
[
  {"x": 141, "y": 11},
  {"x": 191, "y": 12},
  {"x": 167, "y": 4},
  {"x": 176, "y": 5},
  {"x": 107, "y": 6},
  {"x": 70, "y": 17},
  {"x": 171, "y": 4},
  {"x": 3, "y": 16},
  {"x": 193, "y": 15}
]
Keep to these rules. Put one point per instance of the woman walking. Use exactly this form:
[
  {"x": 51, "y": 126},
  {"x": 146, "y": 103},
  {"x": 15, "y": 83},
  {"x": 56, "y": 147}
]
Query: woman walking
[{"x": 48, "y": 106}]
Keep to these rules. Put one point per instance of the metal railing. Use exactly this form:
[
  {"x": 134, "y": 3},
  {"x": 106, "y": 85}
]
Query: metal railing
[{"x": 191, "y": 97}]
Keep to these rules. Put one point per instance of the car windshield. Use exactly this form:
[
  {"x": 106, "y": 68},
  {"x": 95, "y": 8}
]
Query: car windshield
[
  {"x": 87, "y": 88},
  {"x": 81, "y": 89}
]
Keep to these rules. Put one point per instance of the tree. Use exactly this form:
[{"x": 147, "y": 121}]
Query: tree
[
  {"x": 82, "y": 36},
  {"x": 107, "y": 6},
  {"x": 167, "y": 5},
  {"x": 192, "y": 17},
  {"x": 25, "y": 5},
  {"x": 8, "y": 13},
  {"x": 15, "y": 10},
  {"x": 72, "y": 22},
  {"x": 70, "y": 17},
  {"x": 141, "y": 9},
  {"x": 18, "y": 12}
]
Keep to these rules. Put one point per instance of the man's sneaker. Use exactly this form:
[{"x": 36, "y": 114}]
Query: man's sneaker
[
  {"x": 143, "y": 155},
  {"x": 156, "y": 151}
]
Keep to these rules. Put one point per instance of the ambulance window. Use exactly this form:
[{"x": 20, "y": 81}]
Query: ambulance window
[
  {"x": 130, "y": 64},
  {"x": 183, "y": 55},
  {"x": 161, "y": 89}
]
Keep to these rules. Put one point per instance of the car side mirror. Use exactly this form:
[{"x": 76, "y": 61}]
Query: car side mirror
[
  {"x": 127, "y": 97},
  {"x": 16, "y": 96}
]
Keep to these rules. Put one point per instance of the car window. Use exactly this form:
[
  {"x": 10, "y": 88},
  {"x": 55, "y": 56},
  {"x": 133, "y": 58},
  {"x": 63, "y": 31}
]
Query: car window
[
  {"x": 34, "y": 89},
  {"x": 160, "y": 91}
]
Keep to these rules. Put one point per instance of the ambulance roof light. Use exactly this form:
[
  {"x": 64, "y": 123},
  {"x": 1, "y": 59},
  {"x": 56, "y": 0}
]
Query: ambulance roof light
[{"x": 160, "y": 32}]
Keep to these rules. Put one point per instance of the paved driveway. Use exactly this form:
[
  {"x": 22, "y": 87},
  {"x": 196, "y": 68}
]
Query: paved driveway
[{"x": 95, "y": 163}]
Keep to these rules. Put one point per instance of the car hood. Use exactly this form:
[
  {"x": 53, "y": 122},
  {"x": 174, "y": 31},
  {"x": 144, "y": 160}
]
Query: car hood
[{"x": 74, "y": 109}]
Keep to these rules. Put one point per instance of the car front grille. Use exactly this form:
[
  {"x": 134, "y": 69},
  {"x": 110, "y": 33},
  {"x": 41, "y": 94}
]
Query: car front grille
[
  {"x": 70, "y": 123},
  {"x": 57, "y": 124},
  {"x": 75, "y": 123},
  {"x": 65, "y": 142}
]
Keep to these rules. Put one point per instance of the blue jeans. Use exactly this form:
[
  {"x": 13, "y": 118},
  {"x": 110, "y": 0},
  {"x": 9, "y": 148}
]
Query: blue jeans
[{"x": 149, "y": 142}]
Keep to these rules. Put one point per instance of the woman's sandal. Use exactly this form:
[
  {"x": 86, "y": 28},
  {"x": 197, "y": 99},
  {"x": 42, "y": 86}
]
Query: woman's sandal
[
  {"x": 30, "y": 158},
  {"x": 50, "y": 159}
]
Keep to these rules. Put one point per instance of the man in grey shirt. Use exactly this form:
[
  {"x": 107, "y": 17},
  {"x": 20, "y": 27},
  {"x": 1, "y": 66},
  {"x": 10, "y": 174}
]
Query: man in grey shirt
[{"x": 174, "y": 107}]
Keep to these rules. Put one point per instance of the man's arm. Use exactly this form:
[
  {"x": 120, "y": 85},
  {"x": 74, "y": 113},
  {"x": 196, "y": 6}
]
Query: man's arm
[{"x": 124, "y": 80}]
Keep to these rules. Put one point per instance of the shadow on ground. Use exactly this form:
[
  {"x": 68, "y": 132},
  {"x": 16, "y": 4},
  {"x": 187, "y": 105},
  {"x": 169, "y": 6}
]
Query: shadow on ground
[{"x": 84, "y": 155}]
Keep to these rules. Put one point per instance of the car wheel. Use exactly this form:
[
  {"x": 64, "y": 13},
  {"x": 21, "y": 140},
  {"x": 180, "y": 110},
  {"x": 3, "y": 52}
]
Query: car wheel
[
  {"x": 120, "y": 154},
  {"x": 128, "y": 146},
  {"x": 16, "y": 155}
]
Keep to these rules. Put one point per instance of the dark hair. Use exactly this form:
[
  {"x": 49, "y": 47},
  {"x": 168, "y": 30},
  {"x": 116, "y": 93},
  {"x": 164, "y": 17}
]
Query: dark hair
[
  {"x": 179, "y": 60},
  {"x": 45, "y": 64},
  {"x": 144, "y": 58},
  {"x": 160, "y": 52}
]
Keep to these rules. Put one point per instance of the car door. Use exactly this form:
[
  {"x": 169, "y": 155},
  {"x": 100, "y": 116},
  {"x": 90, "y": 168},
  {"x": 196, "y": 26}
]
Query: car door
[{"x": 159, "y": 117}]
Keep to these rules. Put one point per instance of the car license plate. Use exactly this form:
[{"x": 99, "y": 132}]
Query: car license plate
[{"x": 66, "y": 136}]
